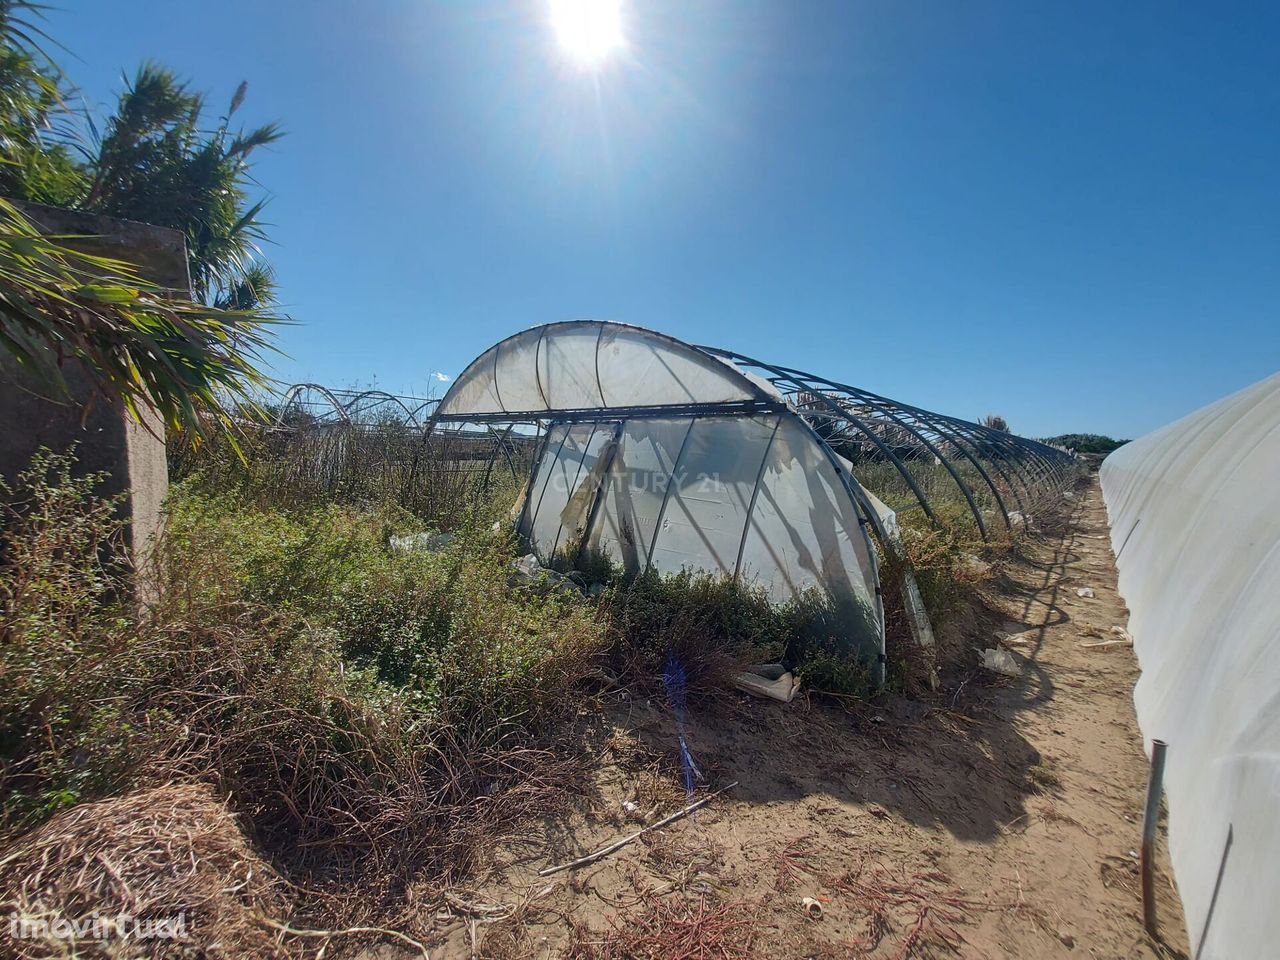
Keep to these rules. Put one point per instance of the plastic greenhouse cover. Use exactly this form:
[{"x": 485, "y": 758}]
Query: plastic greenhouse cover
[
  {"x": 707, "y": 487},
  {"x": 1195, "y": 523},
  {"x": 587, "y": 364},
  {"x": 754, "y": 496}
]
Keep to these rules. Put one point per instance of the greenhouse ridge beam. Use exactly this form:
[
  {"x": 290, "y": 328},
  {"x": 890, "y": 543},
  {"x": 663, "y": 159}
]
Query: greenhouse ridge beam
[{"x": 742, "y": 408}]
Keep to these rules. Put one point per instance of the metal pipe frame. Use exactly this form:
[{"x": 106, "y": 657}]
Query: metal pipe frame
[
  {"x": 743, "y": 408},
  {"x": 1040, "y": 470}
]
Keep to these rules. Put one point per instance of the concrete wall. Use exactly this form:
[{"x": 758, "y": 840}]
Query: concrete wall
[{"x": 106, "y": 438}]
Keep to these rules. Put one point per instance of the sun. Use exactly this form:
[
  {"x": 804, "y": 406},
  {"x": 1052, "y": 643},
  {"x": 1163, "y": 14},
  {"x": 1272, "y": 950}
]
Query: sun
[{"x": 588, "y": 30}]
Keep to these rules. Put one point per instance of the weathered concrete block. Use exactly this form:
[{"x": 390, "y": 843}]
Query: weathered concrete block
[{"x": 106, "y": 438}]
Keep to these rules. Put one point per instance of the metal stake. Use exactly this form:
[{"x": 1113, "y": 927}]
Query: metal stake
[{"x": 1155, "y": 785}]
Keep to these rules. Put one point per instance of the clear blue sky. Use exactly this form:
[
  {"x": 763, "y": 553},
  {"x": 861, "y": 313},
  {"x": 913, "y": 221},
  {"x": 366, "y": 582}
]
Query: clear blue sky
[{"x": 1067, "y": 213}]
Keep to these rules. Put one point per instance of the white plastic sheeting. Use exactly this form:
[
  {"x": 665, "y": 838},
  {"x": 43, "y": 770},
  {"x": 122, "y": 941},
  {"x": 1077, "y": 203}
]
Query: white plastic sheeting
[
  {"x": 748, "y": 496},
  {"x": 703, "y": 468},
  {"x": 1195, "y": 522},
  {"x": 588, "y": 364}
]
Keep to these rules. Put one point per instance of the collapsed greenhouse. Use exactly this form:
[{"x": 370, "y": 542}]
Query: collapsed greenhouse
[{"x": 656, "y": 454}]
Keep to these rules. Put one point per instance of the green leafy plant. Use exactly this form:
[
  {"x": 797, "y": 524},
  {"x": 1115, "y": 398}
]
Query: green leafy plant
[
  {"x": 37, "y": 161},
  {"x": 1086, "y": 442},
  {"x": 158, "y": 160},
  {"x": 60, "y": 624},
  {"x": 158, "y": 163},
  {"x": 140, "y": 346}
]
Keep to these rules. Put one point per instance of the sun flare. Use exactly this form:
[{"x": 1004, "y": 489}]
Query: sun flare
[{"x": 588, "y": 30}]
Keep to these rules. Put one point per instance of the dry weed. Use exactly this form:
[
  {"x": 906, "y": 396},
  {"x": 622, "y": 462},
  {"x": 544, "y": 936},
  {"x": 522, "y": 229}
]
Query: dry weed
[
  {"x": 661, "y": 930},
  {"x": 100, "y": 876},
  {"x": 923, "y": 907}
]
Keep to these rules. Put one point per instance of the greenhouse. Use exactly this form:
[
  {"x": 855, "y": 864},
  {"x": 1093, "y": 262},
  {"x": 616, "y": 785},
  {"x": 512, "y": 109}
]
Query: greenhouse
[{"x": 660, "y": 455}]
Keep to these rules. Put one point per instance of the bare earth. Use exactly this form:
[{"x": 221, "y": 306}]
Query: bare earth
[{"x": 1003, "y": 821}]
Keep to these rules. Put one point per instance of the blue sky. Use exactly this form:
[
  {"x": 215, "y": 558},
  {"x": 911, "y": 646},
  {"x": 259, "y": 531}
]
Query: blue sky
[{"x": 1065, "y": 213}]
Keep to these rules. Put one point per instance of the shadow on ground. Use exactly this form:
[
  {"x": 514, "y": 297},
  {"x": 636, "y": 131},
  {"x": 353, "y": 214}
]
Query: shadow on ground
[{"x": 955, "y": 763}]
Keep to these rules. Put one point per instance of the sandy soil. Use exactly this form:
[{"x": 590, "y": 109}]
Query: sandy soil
[{"x": 1001, "y": 821}]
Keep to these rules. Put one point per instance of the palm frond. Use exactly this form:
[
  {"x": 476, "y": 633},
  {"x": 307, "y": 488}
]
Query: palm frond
[{"x": 192, "y": 364}]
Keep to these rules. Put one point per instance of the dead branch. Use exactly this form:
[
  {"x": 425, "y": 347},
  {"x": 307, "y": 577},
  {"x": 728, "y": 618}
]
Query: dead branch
[{"x": 619, "y": 844}]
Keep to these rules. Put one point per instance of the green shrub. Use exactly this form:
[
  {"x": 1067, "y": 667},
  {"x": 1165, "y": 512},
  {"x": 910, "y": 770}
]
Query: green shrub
[
  {"x": 62, "y": 629},
  {"x": 713, "y": 625},
  {"x": 352, "y": 700},
  {"x": 349, "y": 699}
]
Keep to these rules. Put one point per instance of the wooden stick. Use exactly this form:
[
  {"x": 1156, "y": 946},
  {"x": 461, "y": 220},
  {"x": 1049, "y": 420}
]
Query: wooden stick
[
  {"x": 619, "y": 844},
  {"x": 329, "y": 934}
]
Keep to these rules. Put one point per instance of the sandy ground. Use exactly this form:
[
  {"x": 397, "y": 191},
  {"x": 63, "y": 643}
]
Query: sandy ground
[{"x": 1001, "y": 821}]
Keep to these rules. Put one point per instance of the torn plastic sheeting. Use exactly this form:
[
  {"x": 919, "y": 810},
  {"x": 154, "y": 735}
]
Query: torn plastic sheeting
[
  {"x": 1001, "y": 661},
  {"x": 912, "y": 600},
  {"x": 577, "y": 511}
]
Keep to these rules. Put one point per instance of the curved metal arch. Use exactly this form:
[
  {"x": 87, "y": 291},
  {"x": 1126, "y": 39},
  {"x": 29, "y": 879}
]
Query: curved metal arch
[
  {"x": 1031, "y": 462},
  {"x": 995, "y": 492},
  {"x": 803, "y": 382},
  {"x": 291, "y": 395},
  {"x": 885, "y": 449},
  {"x": 1032, "y": 466},
  {"x": 752, "y": 391},
  {"x": 942, "y": 458},
  {"x": 384, "y": 398},
  {"x": 417, "y": 411},
  {"x": 1039, "y": 474},
  {"x": 896, "y": 415},
  {"x": 990, "y": 435},
  {"x": 841, "y": 413},
  {"x": 998, "y": 464},
  {"x": 1022, "y": 446}
]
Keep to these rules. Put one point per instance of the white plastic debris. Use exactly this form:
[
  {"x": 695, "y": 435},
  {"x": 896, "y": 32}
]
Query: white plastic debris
[
  {"x": 1001, "y": 661},
  {"x": 1086, "y": 592},
  {"x": 769, "y": 680},
  {"x": 530, "y": 573},
  {"x": 528, "y": 565},
  {"x": 812, "y": 908},
  {"x": 431, "y": 542}
]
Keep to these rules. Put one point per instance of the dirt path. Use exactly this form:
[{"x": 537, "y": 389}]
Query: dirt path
[{"x": 1002, "y": 823}]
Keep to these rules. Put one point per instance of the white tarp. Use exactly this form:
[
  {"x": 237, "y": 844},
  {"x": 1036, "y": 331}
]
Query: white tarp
[{"x": 1195, "y": 523}]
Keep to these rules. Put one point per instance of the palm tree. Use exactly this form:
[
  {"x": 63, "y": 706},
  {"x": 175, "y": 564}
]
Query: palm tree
[
  {"x": 36, "y": 162},
  {"x": 155, "y": 161},
  {"x": 196, "y": 364},
  {"x": 157, "y": 165}
]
